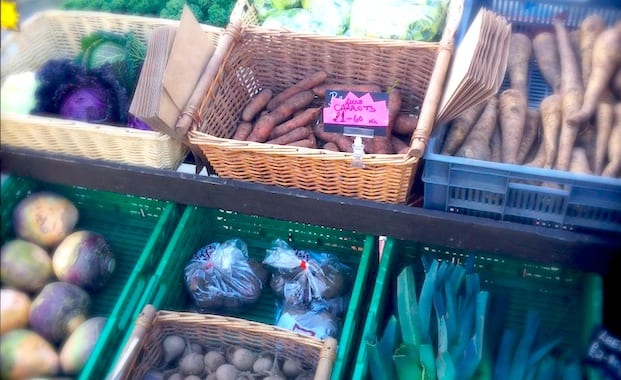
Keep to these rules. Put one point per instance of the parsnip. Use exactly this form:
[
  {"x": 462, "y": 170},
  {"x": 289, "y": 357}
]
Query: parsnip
[
  {"x": 512, "y": 111},
  {"x": 590, "y": 27},
  {"x": 546, "y": 55},
  {"x": 613, "y": 168}
]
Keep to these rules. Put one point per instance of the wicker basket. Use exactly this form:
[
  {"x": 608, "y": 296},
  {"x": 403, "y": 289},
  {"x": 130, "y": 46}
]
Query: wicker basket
[
  {"x": 57, "y": 34},
  {"x": 263, "y": 58},
  {"x": 143, "y": 350}
]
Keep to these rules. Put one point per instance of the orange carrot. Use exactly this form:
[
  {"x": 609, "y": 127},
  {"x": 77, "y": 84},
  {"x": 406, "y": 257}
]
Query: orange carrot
[
  {"x": 303, "y": 118},
  {"x": 405, "y": 124},
  {"x": 605, "y": 60},
  {"x": 243, "y": 130},
  {"x": 265, "y": 124},
  {"x": 590, "y": 27},
  {"x": 256, "y": 104},
  {"x": 546, "y": 54},
  {"x": 307, "y": 83},
  {"x": 296, "y": 134},
  {"x": 331, "y": 146},
  {"x": 573, "y": 92},
  {"x": 400, "y": 146}
]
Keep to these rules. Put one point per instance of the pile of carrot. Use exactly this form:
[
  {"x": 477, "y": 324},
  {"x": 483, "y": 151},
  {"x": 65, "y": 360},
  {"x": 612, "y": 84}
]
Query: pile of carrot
[
  {"x": 293, "y": 117},
  {"x": 576, "y": 128}
]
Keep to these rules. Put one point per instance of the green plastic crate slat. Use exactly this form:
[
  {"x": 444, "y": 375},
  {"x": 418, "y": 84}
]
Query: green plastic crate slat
[
  {"x": 569, "y": 302},
  {"x": 200, "y": 226},
  {"x": 136, "y": 228}
]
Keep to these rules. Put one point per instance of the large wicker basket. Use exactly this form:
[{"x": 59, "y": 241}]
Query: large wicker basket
[
  {"x": 57, "y": 34},
  {"x": 143, "y": 350},
  {"x": 263, "y": 58}
]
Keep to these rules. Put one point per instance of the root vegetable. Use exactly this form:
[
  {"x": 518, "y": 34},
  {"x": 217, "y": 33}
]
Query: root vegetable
[
  {"x": 227, "y": 372},
  {"x": 551, "y": 118},
  {"x": 573, "y": 92},
  {"x": 495, "y": 145},
  {"x": 14, "y": 309},
  {"x": 320, "y": 90},
  {"x": 173, "y": 347},
  {"x": 292, "y": 367},
  {"x": 331, "y": 146},
  {"x": 605, "y": 61},
  {"x": 405, "y": 124},
  {"x": 304, "y": 118},
  {"x": 344, "y": 143},
  {"x": 192, "y": 377},
  {"x": 531, "y": 131},
  {"x": 294, "y": 135},
  {"x": 590, "y": 27},
  {"x": 460, "y": 127},
  {"x": 586, "y": 140},
  {"x": 604, "y": 119},
  {"x": 304, "y": 143},
  {"x": 579, "y": 161},
  {"x": 613, "y": 168},
  {"x": 383, "y": 144},
  {"x": 521, "y": 49},
  {"x": 263, "y": 364},
  {"x": 265, "y": 124},
  {"x": 306, "y": 375},
  {"x": 546, "y": 54},
  {"x": 213, "y": 360},
  {"x": 242, "y": 131},
  {"x": 400, "y": 146},
  {"x": 256, "y": 104},
  {"x": 305, "y": 84},
  {"x": 512, "y": 111},
  {"x": 241, "y": 358},
  {"x": 616, "y": 83},
  {"x": 192, "y": 363},
  {"x": 540, "y": 156},
  {"x": 476, "y": 144}
]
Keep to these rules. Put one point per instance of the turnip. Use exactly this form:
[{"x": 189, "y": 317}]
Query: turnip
[
  {"x": 241, "y": 358},
  {"x": 192, "y": 377},
  {"x": 14, "y": 309},
  {"x": 213, "y": 360},
  {"x": 25, "y": 266},
  {"x": 173, "y": 347},
  {"x": 84, "y": 258},
  {"x": 78, "y": 347},
  {"x": 227, "y": 372},
  {"x": 58, "y": 310},
  {"x": 306, "y": 375},
  {"x": 176, "y": 376}
]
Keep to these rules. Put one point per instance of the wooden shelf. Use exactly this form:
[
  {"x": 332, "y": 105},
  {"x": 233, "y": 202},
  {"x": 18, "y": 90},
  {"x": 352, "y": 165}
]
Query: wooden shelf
[{"x": 567, "y": 248}]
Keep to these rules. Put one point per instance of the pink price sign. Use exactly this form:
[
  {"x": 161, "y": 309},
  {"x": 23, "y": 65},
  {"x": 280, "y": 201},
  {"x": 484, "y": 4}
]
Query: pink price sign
[{"x": 356, "y": 113}]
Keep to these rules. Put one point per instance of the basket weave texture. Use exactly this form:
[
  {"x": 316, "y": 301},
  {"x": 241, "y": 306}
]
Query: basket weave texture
[
  {"x": 57, "y": 34},
  {"x": 219, "y": 332},
  {"x": 264, "y": 58}
]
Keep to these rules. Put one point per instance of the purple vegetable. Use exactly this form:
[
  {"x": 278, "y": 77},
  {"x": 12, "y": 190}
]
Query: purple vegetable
[
  {"x": 75, "y": 92},
  {"x": 136, "y": 123}
]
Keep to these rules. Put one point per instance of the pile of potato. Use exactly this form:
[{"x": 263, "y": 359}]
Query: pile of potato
[
  {"x": 576, "y": 128},
  {"x": 184, "y": 360}
]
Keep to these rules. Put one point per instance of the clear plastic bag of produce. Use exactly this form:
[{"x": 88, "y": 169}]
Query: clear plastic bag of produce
[
  {"x": 220, "y": 277},
  {"x": 329, "y": 17},
  {"x": 317, "y": 323},
  {"x": 306, "y": 278},
  {"x": 420, "y": 20}
]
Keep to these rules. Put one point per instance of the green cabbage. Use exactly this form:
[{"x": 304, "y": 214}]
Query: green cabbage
[{"x": 421, "y": 20}]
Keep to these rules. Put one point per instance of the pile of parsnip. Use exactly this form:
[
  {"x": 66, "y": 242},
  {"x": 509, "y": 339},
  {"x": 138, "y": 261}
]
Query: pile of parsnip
[{"x": 576, "y": 128}]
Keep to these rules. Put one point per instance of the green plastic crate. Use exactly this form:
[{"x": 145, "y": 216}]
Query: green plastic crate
[
  {"x": 137, "y": 230},
  {"x": 569, "y": 302},
  {"x": 201, "y": 226}
]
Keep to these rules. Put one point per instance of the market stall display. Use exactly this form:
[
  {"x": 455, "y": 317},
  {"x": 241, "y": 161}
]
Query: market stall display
[
  {"x": 558, "y": 166},
  {"x": 57, "y": 34},
  {"x": 132, "y": 229}
]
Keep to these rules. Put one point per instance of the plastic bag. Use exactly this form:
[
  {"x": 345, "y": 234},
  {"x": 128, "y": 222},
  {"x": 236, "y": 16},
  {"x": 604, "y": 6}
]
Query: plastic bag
[
  {"x": 306, "y": 278},
  {"x": 220, "y": 277},
  {"x": 320, "y": 324},
  {"x": 329, "y": 17},
  {"x": 420, "y": 20}
]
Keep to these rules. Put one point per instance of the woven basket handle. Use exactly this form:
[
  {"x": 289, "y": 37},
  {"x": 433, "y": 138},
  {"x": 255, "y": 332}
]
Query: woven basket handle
[
  {"x": 191, "y": 113},
  {"x": 429, "y": 108},
  {"x": 326, "y": 360},
  {"x": 142, "y": 325}
]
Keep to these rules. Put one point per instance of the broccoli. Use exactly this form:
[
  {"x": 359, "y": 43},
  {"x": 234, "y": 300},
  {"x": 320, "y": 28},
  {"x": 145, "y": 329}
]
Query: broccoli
[{"x": 211, "y": 12}]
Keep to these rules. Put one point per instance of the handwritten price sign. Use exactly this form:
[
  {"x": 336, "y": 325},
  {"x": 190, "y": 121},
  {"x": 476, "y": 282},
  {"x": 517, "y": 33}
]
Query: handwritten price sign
[{"x": 356, "y": 113}]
